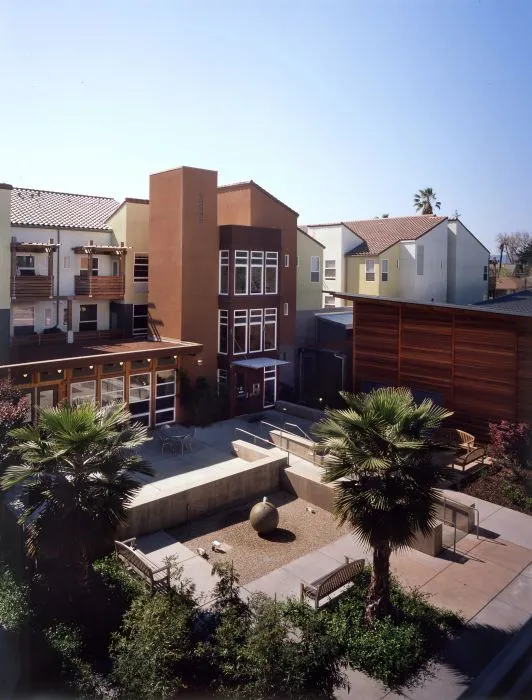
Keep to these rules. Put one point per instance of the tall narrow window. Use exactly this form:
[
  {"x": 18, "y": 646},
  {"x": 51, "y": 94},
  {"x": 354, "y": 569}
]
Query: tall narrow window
[
  {"x": 485, "y": 275},
  {"x": 314, "y": 268},
  {"x": 222, "y": 380},
  {"x": 140, "y": 267},
  {"x": 256, "y": 285},
  {"x": 370, "y": 270},
  {"x": 165, "y": 396},
  {"x": 270, "y": 329},
  {"x": 285, "y": 308},
  {"x": 287, "y": 260},
  {"x": 271, "y": 272},
  {"x": 224, "y": 272},
  {"x": 240, "y": 329},
  {"x": 420, "y": 259},
  {"x": 255, "y": 330},
  {"x": 330, "y": 269},
  {"x": 241, "y": 271},
  {"x": 223, "y": 318},
  {"x": 384, "y": 270},
  {"x": 140, "y": 397}
]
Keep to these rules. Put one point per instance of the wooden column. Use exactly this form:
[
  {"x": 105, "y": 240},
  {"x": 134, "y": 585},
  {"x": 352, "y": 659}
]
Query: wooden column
[
  {"x": 50, "y": 252},
  {"x": 121, "y": 272},
  {"x": 89, "y": 265}
]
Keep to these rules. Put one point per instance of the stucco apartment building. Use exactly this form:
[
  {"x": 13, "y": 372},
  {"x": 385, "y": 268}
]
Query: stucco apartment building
[
  {"x": 418, "y": 258},
  {"x": 105, "y": 301}
]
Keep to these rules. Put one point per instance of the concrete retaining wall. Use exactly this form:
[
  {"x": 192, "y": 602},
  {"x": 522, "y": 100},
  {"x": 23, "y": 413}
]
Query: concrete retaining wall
[
  {"x": 295, "y": 409},
  {"x": 460, "y": 514},
  {"x": 297, "y": 445}
]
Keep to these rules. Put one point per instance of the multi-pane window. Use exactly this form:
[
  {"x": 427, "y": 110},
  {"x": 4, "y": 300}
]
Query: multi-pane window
[
  {"x": 23, "y": 319},
  {"x": 112, "y": 390},
  {"x": 370, "y": 270},
  {"x": 224, "y": 272},
  {"x": 140, "y": 319},
  {"x": 384, "y": 270},
  {"x": 241, "y": 271},
  {"x": 270, "y": 329},
  {"x": 84, "y": 266},
  {"x": 255, "y": 330},
  {"x": 485, "y": 275},
  {"x": 82, "y": 392},
  {"x": 165, "y": 396},
  {"x": 328, "y": 301},
  {"x": 314, "y": 268},
  {"x": 420, "y": 259},
  {"x": 240, "y": 329},
  {"x": 140, "y": 397},
  {"x": 223, "y": 323},
  {"x": 25, "y": 265},
  {"x": 257, "y": 272},
  {"x": 271, "y": 272},
  {"x": 330, "y": 269},
  {"x": 140, "y": 267}
]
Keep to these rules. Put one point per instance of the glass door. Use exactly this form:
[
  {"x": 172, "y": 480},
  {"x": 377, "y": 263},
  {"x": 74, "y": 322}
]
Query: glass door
[
  {"x": 140, "y": 397},
  {"x": 270, "y": 386},
  {"x": 165, "y": 399},
  {"x": 47, "y": 398}
]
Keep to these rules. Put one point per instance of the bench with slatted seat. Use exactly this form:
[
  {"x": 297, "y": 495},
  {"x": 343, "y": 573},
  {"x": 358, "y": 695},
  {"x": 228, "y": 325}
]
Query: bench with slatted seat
[
  {"x": 157, "y": 578},
  {"x": 331, "y": 582},
  {"x": 478, "y": 454}
]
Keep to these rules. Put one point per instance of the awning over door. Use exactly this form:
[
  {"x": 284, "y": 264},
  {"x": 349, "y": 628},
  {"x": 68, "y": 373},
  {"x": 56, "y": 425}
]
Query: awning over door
[{"x": 259, "y": 362}]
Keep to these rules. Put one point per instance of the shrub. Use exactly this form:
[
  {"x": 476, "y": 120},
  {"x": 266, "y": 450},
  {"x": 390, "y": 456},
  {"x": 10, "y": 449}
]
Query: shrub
[
  {"x": 14, "y": 600},
  {"x": 510, "y": 444},
  {"x": 117, "y": 578}
]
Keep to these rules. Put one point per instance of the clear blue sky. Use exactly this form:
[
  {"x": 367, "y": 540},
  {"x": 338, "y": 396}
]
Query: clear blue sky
[{"x": 341, "y": 108}]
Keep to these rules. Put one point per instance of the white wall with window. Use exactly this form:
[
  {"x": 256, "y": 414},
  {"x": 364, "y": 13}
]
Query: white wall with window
[
  {"x": 271, "y": 272},
  {"x": 255, "y": 330},
  {"x": 329, "y": 269},
  {"x": 257, "y": 272},
  {"x": 314, "y": 268},
  {"x": 385, "y": 269},
  {"x": 241, "y": 283}
]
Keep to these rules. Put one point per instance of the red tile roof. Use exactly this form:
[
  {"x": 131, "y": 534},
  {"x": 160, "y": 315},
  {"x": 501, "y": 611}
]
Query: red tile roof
[
  {"x": 60, "y": 209},
  {"x": 380, "y": 234}
]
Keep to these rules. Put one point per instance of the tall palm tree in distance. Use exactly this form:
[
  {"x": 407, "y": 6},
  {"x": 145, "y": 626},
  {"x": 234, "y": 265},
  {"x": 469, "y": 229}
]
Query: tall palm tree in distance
[
  {"x": 77, "y": 471},
  {"x": 380, "y": 448},
  {"x": 425, "y": 199}
]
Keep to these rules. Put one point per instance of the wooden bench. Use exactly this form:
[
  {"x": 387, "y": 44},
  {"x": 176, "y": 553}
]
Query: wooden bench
[
  {"x": 462, "y": 460},
  {"x": 331, "y": 582},
  {"x": 158, "y": 579}
]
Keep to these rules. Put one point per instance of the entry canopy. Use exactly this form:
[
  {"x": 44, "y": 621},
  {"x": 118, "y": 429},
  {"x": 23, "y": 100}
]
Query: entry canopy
[{"x": 259, "y": 362}]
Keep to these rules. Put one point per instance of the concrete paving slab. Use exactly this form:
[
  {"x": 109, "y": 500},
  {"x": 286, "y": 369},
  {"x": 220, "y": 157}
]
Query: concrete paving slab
[
  {"x": 361, "y": 686},
  {"x": 512, "y": 526},
  {"x": 519, "y": 593},
  {"x": 503, "y": 553},
  {"x": 346, "y": 546},
  {"x": 177, "y": 550},
  {"x": 485, "y": 576},
  {"x": 311, "y": 566},
  {"x": 500, "y": 615},
  {"x": 446, "y": 592},
  {"x": 410, "y": 572},
  {"x": 280, "y": 583},
  {"x": 156, "y": 540},
  {"x": 199, "y": 571},
  {"x": 446, "y": 684}
]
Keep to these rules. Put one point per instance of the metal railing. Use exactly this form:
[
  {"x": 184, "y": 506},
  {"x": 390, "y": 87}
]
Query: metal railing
[
  {"x": 255, "y": 437},
  {"x": 294, "y": 425},
  {"x": 272, "y": 444},
  {"x": 452, "y": 523}
]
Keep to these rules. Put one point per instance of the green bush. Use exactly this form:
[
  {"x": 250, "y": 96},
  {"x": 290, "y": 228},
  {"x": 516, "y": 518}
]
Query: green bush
[
  {"x": 14, "y": 600},
  {"x": 118, "y": 579},
  {"x": 395, "y": 650}
]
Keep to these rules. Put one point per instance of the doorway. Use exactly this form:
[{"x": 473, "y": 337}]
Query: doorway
[{"x": 270, "y": 387}]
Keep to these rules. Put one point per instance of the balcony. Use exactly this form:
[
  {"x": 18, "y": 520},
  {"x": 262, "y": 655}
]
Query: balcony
[
  {"x": 99, "y": 286},
  {"x": 32, "y": 287}
]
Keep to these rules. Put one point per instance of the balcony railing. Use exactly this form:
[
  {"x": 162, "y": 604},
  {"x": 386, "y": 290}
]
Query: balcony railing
[
  {"x": 100, "y": 287},
  {"x": 32, "y": 287}
]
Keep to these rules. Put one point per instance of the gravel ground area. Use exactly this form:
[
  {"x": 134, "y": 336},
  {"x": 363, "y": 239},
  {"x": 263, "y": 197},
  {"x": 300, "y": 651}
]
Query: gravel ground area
[{"x": 299, "y": 533}]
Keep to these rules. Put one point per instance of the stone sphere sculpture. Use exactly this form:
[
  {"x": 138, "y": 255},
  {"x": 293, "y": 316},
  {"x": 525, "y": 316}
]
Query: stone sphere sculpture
[{"x": 264, "y": 517}]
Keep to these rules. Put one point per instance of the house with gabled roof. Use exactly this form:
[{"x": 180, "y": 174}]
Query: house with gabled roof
[{"x": 419, "y": 258}]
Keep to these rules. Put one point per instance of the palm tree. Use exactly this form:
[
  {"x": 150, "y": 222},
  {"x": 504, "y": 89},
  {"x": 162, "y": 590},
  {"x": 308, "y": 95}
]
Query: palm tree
[
  {"x": 77, "y": 471},
  {"x": 425, "y": 199},
  {"x": 380, "y": 447}
]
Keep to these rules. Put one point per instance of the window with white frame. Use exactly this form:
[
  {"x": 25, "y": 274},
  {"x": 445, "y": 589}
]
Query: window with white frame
[
  {"x": 25, "y": 266},
  {"x": 420, "y": 259},
  {"x": 112, "y": 390},
  {"x": 255, "y": 330},
  {"x": 330, "y": 269},
  {"x": 165, "y": 396},
  {"x": 82, "y": 392},
  {"x": 140, "y": 397},
  {"x": 287, "y": 260},
  {"x": 224, "y": 272},
  {"x": 384, "y": 270},
  {"x": 314, "y": 268},
  {"x": 223, "y": 329},
  {"x": 23, "y": 320},
  {"x": 256, "y": 284},
  {"x": 271, "y": 272},
  {"x": 140, "y": 267},
  {"x": 370, "y": 270},
  {"x": 241, "y": 271},
  {"x": 485, "y": 275},
  {"x": 221, "y": 378},
  {"x": 240, "y": 332},
  {"x": 328, "y": 301},
  {"x": 140, "y": 319},
  {"x": 48, "y": 317},
  {"x": 285, "y": 308},
  {"x": 270, "y": 329}
]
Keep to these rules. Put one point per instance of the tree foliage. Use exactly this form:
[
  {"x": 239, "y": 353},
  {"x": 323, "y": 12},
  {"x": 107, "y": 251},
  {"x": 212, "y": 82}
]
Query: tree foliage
[
  {"x": 14, "y": 600},
  {"x": 425, "y": 200},
  {"x": 515, "y": 244},
  {"x": 13, "y": 410},
  {"x": 380, "y": 448}
]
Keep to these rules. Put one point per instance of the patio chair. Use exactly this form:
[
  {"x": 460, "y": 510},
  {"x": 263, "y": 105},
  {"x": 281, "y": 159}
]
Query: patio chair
[
  {"x": 467, "y": 441},
  {"x": 163, "y": 440},
  {"x": 188, "y": 440}
]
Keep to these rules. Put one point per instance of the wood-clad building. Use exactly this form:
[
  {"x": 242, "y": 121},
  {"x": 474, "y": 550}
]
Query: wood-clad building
[{"x": 475, "y": 360}]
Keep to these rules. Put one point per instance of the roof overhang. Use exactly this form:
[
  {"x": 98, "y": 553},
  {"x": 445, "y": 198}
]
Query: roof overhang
[
  {"x": 259, "y": 362},
  {"x": 35, "y": 247},
  {"x": 101, "y": 249}
]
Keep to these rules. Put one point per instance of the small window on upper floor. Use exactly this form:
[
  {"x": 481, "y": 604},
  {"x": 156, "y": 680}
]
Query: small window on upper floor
[
  {"x": 370, "y": 270},
  {"x": 330, "y": 269},
  {"x": 25, "y": 266},
  {"x": 420, "y": 259},
  {"x": 314, "y": 268},
  {"x": 287, "y": 260},
  {"x": 384, "y": 270},
  {"x": 328, "y": 301},
  {"x": 140, "y": 267},
  {"x": 485, "y": 275}
]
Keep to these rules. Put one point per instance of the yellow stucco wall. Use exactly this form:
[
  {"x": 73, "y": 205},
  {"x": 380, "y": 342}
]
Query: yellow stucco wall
[
  {"x": 130, "y": 225},
  {"x": 309, "y": 294},
  {"x": 356, "y": 274}
]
